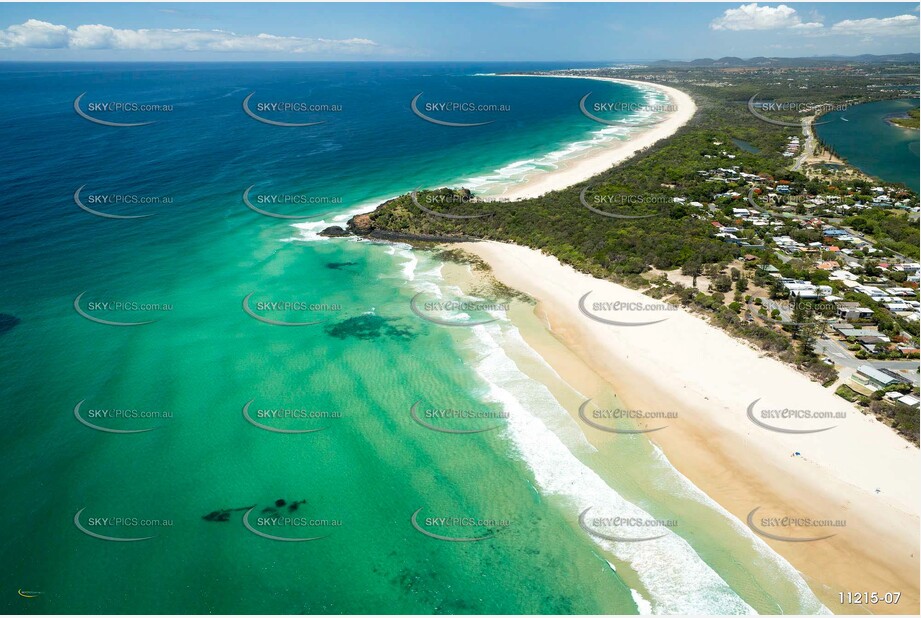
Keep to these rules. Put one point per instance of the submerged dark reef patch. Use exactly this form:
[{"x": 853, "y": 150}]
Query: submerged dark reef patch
[
  {"x": 369, "y": 327},
  {"x": 8, "y": 322},
  {"x": 224, "y": 514},
  {"x": 339, "y": 265}
]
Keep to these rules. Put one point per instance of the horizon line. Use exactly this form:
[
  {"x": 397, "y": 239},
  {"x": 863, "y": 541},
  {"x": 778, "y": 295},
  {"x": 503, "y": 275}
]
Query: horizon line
[{"x": 470, "y": 61}]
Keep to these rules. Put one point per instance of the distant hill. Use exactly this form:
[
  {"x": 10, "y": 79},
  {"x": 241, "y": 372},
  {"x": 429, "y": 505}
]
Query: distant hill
[{"x": 761, "y": 61}]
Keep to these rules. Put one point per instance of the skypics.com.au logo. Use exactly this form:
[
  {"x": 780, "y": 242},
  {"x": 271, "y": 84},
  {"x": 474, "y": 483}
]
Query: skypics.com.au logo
[
  {"x": 97, "y": 110},
  {"x": 438, "y": 112},
  {"x": 273, "y": 112}
]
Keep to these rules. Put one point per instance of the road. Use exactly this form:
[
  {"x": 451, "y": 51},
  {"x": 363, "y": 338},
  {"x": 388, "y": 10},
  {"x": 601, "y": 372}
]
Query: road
[
  {"x": 808, "y": 150},
  {"x": 808, "y": 145},
  {"x": 864, "y": 238},
  {"x": 846, "y": 363}
]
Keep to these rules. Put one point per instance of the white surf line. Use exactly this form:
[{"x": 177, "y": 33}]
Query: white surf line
[{"x": 676, "y": 578}]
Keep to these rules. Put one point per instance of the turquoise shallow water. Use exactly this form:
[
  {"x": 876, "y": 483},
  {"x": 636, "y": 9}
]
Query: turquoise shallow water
[
  {"x": 863, "y": 137},
  {"x": 355, "y": 374}
]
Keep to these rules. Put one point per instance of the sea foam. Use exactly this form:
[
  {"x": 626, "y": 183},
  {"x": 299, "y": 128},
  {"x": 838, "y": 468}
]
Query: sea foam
[
  {"x": 675, "y": 577},
  {"x": 808, "y": 603},
  {"x": 546, "y": 438}
]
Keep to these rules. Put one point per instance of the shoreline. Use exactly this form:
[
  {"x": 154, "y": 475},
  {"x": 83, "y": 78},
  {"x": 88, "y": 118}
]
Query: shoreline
[
  {"x": 591, "y": 471},
  {"x": 859, "y": 171},
  {"x": 713, "y": 443},
  {"x": 843, "y": 474},
  {"x": 597, "y": 160},
  {"x": 571, "y": 171}
]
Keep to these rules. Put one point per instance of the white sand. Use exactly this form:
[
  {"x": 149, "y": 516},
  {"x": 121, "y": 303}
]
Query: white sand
[
  {"x": 712, "y": 378},
  {"x": 597, "y": 160},
  {"x": 860, "y": 470}
]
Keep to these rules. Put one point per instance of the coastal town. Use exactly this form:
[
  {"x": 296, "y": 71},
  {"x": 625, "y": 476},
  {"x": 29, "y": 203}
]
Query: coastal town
[
  {"x": 861, "y": 296},
  {"x": 782, "y": 242},
  {"x": 823, "y": 255}
]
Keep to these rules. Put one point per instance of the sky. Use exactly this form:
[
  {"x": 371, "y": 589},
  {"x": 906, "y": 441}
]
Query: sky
[{"x": 499, "y": 31}]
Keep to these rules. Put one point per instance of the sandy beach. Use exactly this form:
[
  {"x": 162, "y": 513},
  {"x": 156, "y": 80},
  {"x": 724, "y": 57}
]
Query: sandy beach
[
  {"x": 857, "y": 480},
  {"x": 860, "y": 472},
  {"x": 598, "y": 160}
]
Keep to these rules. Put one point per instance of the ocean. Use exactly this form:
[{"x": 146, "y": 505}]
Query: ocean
[{"x": 207, "y": 460}]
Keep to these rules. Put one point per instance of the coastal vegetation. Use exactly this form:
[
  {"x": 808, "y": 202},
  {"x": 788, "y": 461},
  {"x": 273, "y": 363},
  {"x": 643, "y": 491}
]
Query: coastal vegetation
[
  {"x": 910, "y": 122},
  {"x": 649, "y": 222},
  {"x": 902, "y": 418},
  {"x": 890, "y": 228}
]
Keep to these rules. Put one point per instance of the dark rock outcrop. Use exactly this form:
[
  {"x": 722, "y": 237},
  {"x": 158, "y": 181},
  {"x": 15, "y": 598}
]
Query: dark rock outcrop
[
  {"x": 408, "y": 237},
  {"x": 334, "y": 231},
  {"x": 361, "y": 225}
]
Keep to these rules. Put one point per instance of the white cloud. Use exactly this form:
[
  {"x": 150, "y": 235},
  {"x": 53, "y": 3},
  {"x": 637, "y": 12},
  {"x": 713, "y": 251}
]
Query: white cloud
[
  {"x": 900, "y": 25},
  {"x": 754, "y": 17},
  {"x": 807, "y": 27},
  {"x": 782, "y": 17},
  {"x": 35, "y": 34}
]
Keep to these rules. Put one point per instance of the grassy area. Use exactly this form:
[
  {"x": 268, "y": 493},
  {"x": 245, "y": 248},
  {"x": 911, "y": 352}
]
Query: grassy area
[
  {"x": 845, "y": 392},
  {"x": 911, "y": 122}
]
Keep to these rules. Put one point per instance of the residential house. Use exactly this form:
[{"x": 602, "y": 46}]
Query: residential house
[
  {"x": 852, "y": 311},
  {"x": 868, "y": 379}
]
